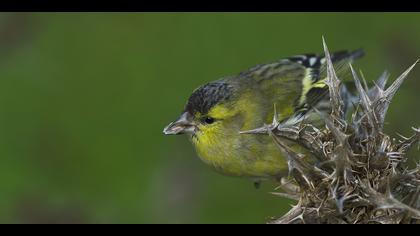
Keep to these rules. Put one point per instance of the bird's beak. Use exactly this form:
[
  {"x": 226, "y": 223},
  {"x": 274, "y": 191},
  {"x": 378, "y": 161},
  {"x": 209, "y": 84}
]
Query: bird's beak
[{"x": 184, "y": 125}]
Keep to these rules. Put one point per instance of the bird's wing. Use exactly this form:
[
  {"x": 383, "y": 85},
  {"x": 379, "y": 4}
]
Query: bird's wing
[
  {"x": 278, "y": 83},
  {"x": 299, "y": 81},
  {"x": 315, "y": 89}
]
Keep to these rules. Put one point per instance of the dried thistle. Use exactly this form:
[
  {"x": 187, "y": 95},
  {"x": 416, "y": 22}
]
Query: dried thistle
[{"x": 361, "y": 175}]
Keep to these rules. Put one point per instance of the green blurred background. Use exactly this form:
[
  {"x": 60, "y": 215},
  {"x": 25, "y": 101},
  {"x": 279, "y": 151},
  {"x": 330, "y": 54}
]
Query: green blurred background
[{"x": 84, "y": 99}]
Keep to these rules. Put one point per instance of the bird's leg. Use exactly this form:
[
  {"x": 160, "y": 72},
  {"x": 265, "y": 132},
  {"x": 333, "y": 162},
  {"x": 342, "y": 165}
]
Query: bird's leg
[{"x": 257, "y": 184}]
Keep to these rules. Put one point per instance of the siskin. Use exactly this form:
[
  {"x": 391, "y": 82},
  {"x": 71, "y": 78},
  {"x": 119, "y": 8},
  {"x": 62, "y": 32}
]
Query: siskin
[{"x": 218, "y": 111}]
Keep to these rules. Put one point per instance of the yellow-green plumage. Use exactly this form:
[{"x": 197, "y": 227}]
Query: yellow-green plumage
[{"x": 216, "y": 113}]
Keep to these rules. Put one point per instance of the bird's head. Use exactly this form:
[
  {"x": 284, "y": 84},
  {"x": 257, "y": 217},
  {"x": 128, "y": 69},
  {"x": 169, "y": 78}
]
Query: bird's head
[{"x": 211, "y": 109}]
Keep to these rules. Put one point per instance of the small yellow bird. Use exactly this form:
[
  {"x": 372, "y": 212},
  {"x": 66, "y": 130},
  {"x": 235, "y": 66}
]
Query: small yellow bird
[{"x": 217, "y": 111}]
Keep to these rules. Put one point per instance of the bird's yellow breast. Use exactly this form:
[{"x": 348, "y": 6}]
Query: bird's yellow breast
[{"x": 242, "y": 155}]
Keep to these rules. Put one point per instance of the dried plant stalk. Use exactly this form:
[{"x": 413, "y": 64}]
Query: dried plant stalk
[{"x": 361, "y": 175}]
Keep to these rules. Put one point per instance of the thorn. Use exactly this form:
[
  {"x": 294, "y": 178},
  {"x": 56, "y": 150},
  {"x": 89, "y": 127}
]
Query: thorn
[
  {"x": 381, "y": 82},
  {"x": 333, "y": 84},
  {"x": 391, "y": 90},
  {"x": 366, "y": 103},
  {"x": 286, "y": 195},
  {"x": 377, "y": 91},
  {"x": 359, "y": 87},
  {"x": 262, "y": 130},
  {"x": 340, "y": 204},
  {"x": 275, "y": 121},
  {"x": 417, "y": 131},
  {"x": 328, "y": 59},
  {"x": 324, "y": 44},
  {"x": 364, "y": 80},
  {"x": 388, "y": 191}
]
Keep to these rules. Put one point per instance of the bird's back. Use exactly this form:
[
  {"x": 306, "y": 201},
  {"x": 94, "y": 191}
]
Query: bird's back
[{"x": 294, "y": 84}]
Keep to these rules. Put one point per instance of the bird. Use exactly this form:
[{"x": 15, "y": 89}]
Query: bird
[{"x": 216, "y": 112}]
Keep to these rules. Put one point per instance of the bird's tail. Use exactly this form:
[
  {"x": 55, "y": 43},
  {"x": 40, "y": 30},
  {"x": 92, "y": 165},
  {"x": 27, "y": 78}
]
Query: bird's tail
[{"x": 341, "y": 61}]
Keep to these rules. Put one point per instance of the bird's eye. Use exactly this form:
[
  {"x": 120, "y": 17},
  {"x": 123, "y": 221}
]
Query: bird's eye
[{"x": 208, "y": 120}]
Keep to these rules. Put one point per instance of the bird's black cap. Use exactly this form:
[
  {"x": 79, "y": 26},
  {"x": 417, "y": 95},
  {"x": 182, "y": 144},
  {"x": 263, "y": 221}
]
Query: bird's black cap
[{"x": 208, "y": 95}]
